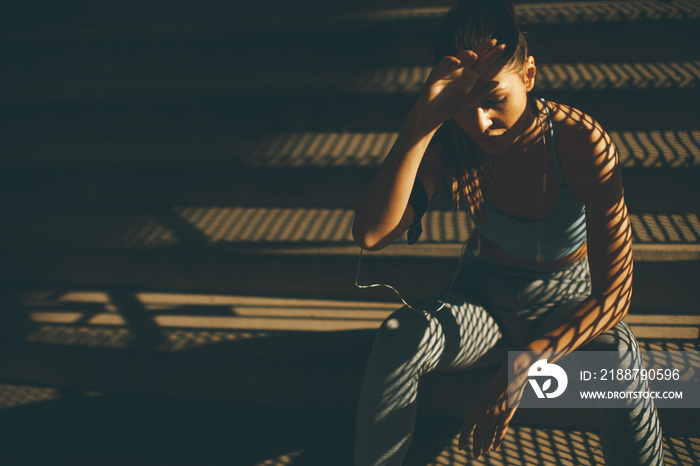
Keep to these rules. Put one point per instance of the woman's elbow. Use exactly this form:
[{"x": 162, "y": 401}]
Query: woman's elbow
[{"x": 366, "y": 240}]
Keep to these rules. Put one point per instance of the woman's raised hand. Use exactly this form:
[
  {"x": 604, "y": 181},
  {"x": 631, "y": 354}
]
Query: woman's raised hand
[{"x": 449, "y": 89}]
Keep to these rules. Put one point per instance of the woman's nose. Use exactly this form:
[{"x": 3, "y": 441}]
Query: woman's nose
[{"x": 482, "y": 120}]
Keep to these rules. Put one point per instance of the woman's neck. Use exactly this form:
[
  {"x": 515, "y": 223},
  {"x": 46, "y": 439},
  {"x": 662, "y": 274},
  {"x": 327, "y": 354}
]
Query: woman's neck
[
  {"x": 527, "y": 133},
  {"x": 531, "y": 133}
]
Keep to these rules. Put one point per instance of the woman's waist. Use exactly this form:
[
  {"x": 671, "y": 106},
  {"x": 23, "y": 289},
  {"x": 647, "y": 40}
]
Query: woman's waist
[
  {"x": 482, "y": 246},
  {"x": 513, "y": 286}
]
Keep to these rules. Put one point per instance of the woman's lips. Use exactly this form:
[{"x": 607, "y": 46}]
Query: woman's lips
[{"x": 489, "y": 139}]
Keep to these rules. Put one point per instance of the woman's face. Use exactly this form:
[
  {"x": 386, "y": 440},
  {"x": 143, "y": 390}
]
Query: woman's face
[{"x": 500, "y": 118}]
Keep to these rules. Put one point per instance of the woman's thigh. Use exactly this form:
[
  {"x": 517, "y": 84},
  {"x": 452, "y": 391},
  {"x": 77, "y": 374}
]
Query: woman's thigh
[
  {"x": 525, "y": 303},
  {"x": 453, "y": 338}
]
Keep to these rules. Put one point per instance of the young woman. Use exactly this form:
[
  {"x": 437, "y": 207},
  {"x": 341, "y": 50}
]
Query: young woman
[{"x": 549, "y": 266}]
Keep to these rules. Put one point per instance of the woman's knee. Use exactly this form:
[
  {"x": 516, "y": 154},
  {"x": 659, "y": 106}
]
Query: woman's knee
[
  {"x": 621, "y": 352},
  {"x": 405, "y": 324},
  {"x": 410, "y": 332},
  {"x": 618, "y": 339}
]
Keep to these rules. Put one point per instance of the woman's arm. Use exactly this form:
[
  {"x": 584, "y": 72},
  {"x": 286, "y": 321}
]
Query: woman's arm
[
  {"x": 593, "y": 175},
  {"x": 449, "y": 90},
  {"x": 385, "y": 212}
]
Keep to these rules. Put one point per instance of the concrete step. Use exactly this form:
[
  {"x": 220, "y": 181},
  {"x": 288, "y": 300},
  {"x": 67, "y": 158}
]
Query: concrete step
[
  {"x": 204, "y": 116},
  {"x": 110, "y": 429},
  {"x": 231, "y": 228},
  {"x": 375, "y": 44},
  {"x": 399, "y": 80},
  {"x": 284, "y": 187},
  {"x": 311, "y": 169},
  {"x": 27, "y": 19},
  {"x": 289, "y": 252},
  {"x": 211, "y": 323},
  {"x": 310, "y": 272},
  {"x": 382, "y": 34},
  {"x": 637, "y": 149},
  {"x": 252, "y": 351}
]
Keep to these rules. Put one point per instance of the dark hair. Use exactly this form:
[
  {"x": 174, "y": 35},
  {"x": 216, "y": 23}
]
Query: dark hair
[
  {"x": 473, "y": 22},
  {"x": 464, "y": 27}
]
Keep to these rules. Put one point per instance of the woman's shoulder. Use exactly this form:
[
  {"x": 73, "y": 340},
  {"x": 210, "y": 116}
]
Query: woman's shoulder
[
  {"x": 585, "y": 150},
  {"x": 572, "y": 123}
]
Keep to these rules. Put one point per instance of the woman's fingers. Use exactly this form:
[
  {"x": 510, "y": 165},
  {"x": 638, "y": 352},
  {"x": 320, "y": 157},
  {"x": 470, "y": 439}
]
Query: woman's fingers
[
  {"x": 500, "y": 435},
  {"x": 488, "y": 429},
  {"x": 473, "y": 65},
  {"x": 469, "y": 64},
  {"x": 476, "y": 441},
  {"x": 483, "y": 55},
  {"x": 447, "y": 67},
  {"x": 449, "y": 89},
  {"x": 485, "y": 47},
  {"x": 487, "y": 435},
  {"x": 467, "y": 428},
  {"x": 488, "y": 58},
  {"x": 483, "y": 433},
  {"x": 483, "y": 427},
  {"x": 467, "y": 58}
]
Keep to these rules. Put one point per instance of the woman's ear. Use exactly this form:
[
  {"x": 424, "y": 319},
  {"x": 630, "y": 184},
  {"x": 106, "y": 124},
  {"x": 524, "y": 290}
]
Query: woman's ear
[{"x": 529, "y": 73}]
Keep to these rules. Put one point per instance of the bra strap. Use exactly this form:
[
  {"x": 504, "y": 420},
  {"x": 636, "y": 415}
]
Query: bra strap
[{"x": 553, "y": 143}]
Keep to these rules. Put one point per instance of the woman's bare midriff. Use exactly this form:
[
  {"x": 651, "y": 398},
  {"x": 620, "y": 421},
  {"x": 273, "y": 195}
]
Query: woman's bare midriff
[{"x": 490, "y": 250}]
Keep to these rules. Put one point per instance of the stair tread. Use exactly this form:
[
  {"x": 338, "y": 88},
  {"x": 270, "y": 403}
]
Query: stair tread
[
  {"x": 287, "y": 252},
  {"x": 528, "y": 13},
  {"x": 217, "y": 115},
  {"x": 401, "y": 80},
  {"x": 317, "y": 149},
  {"x": 264, "y": 436},
  {"x": 201, "y": 322},
  {"x": 74, "y": 346},
  {"x": 528, "y": 446},
  {"x": 282, "y": 230}
]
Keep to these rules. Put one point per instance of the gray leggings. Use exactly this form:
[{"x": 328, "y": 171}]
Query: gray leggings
[{"x": 491, "y": 304}]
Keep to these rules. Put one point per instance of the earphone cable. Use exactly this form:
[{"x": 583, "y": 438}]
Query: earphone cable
[
  {"x": 540, "y": 257},
  {"x": 384, "y": 285}
]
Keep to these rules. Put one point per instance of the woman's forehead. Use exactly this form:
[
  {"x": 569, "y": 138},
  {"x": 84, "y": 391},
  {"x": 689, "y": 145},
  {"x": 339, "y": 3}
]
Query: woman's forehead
[{"x": 504, "y": 76}]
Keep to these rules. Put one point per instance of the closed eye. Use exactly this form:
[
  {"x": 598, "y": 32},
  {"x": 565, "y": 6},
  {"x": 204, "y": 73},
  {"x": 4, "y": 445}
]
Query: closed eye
[{"x": 495, "y": 103}]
